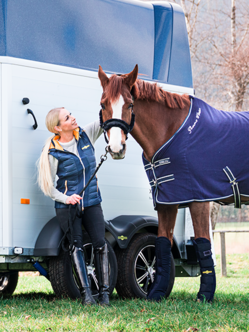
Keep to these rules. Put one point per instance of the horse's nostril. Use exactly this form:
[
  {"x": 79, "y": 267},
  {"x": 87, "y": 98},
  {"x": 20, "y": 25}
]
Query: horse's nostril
[{"x": 118, "y": 155}]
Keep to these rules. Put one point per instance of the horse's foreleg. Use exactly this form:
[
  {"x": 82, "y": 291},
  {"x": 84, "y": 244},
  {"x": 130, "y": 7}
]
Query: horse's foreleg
[
  {"x": 166, "y": 223},
  {"x": 200, "y": 217},
  {"x": 166, "y": 220}
]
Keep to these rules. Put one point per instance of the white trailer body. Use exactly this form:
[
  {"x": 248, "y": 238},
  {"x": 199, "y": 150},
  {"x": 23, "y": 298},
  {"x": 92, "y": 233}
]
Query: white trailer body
[{"x": 124, "y": 186}]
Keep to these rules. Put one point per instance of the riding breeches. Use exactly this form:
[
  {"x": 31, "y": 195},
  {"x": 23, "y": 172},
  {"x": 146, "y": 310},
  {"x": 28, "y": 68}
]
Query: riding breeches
[{"x": 93, "y": 221}]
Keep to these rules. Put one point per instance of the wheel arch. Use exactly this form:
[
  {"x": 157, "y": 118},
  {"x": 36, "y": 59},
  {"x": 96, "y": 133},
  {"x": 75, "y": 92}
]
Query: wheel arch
[
  {"x": 48, "y": 242},
  {"x": 122, "y": 229},
  {"x": 119, "y": 232}
]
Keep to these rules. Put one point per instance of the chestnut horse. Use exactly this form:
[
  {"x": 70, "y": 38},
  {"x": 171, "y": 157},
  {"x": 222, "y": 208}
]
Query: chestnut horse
[{"x": 158, "y": 116}]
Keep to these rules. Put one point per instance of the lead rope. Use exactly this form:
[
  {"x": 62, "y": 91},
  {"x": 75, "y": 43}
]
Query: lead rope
[{"x": 71, "y": 218}]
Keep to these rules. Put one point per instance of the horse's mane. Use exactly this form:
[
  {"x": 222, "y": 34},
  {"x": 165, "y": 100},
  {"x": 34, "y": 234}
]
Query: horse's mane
[{"x": 142, "y": 90}]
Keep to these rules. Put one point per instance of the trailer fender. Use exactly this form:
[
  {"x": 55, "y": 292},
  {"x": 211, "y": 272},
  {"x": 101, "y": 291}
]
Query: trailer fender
[
  {"x": 124, "y": 227},
  {"x": 48, "y": 242}
]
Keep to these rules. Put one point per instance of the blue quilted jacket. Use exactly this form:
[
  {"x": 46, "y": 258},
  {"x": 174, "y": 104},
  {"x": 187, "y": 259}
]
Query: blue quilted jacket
[{"x": 74, "y": 172}]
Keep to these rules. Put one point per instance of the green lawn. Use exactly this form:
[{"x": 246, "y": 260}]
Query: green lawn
[{"x": 34, "y": 307}]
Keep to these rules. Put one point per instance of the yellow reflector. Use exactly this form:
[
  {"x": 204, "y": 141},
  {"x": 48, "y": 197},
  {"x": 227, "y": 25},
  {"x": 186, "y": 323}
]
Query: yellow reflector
[{"x": 25, "y": 201}]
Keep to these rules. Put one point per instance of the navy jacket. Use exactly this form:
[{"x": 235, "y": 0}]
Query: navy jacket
[{"x": 74, "y": 172}]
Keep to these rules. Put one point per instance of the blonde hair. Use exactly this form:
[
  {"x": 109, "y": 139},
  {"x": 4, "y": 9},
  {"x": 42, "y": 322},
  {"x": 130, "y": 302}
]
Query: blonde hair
[{"x": 44, "y": 172}]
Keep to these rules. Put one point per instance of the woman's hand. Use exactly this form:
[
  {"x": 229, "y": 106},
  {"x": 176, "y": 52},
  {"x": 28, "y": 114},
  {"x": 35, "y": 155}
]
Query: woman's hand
[{"x": 74, "y": 199}]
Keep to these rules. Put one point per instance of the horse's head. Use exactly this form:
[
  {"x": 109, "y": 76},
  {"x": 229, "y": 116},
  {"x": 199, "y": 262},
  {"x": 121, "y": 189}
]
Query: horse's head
[{"x": 116, "y": 114}]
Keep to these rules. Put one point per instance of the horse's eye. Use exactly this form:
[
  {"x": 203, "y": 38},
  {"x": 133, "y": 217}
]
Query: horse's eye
[
  {"x": 102, "y": 106},
  {"x": 130, "y": 106}
]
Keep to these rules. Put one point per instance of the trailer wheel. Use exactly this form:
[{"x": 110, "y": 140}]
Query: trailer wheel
[
  {"x": 62, "y": 277},
  {"x": 136, "y": 267},
  {"x": 8, "y": 283}
]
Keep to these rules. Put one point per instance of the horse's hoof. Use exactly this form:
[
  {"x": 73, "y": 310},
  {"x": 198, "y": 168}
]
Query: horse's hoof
[
  {"x": 204, "y": 300},
  {"x": 157, "y": 299}
]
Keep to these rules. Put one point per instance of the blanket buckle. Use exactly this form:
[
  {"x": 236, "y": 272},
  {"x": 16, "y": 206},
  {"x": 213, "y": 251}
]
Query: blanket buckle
[{"x": 235, "y": 187}]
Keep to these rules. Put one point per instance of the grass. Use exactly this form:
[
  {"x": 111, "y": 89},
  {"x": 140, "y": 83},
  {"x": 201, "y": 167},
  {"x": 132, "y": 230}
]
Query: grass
[{"x": 34, "y": 307}]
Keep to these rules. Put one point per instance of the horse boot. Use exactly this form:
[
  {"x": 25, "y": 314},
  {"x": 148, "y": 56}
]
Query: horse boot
[
  {"x": 102, "y": 271},
  {"x": 163, "y": 265},
  {"x": 80, "y": 270},
  {"x": 208, "y": 280}
]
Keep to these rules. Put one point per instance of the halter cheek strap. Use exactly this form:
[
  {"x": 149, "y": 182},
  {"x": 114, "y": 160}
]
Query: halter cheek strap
[{"x": 116, "y": 123}]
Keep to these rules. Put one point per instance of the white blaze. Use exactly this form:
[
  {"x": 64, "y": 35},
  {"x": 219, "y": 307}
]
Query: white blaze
[{"x": 115, "y": 132}]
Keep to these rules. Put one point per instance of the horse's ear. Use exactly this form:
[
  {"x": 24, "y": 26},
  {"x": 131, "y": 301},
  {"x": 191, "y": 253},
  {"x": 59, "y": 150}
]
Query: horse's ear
[
  {"x": 103, "y": 77},
  {"x": 131, "y": 78}
]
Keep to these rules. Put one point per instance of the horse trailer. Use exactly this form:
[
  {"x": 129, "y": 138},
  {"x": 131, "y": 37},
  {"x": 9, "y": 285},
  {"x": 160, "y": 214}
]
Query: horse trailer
[{"x": 49, "y": 56}]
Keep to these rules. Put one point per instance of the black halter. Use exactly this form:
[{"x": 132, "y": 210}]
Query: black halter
[{"x": 116, "y": 123}]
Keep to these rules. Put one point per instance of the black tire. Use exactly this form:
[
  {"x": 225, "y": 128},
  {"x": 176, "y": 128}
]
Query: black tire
[
  {"x": 62, "y": 278},
  {"x": 131, "y": 267},
  {"x": 8, "y": 283}
]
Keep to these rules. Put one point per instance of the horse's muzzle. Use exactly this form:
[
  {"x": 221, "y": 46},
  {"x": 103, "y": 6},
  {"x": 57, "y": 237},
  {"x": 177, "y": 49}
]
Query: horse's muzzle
[{"x": 118, "y": 155}]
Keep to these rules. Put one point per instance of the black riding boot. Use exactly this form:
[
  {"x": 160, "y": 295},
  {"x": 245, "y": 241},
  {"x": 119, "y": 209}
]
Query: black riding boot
[
  {"x": 102, "y": 271},
  {"x": 208, "y": 279},
  {"x": 80, "y": 270},
  {"x": 163, "y": 264}
]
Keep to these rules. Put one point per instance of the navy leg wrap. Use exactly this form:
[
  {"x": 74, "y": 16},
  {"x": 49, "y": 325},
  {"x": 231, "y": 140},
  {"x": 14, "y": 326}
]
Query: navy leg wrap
[
  {"x": 208, "y": 279},
  {"x": 163, "y": 263}
]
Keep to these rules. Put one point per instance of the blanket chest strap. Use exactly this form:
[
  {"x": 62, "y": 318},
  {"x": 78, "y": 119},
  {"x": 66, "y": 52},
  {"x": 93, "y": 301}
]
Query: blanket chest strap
[{"x": 235, "y": 187}]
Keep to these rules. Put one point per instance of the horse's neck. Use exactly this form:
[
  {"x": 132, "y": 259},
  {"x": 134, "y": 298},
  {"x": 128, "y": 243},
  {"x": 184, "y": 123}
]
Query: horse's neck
[{"x": 155, "y": 124}]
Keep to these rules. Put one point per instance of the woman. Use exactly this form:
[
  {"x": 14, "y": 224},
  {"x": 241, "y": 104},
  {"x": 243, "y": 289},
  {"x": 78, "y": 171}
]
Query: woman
[{"x": 68, "y": 156}]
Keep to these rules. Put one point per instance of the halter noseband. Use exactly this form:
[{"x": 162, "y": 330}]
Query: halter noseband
[{"x": 116, "y": 123}]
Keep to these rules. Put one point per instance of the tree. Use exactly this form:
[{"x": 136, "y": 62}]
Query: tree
[
  {"x": 228, "y": 58},
  {"x": 237, "y": 62}
]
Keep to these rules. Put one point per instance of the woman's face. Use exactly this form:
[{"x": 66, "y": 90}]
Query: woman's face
[{"x": 67, "y": 122}]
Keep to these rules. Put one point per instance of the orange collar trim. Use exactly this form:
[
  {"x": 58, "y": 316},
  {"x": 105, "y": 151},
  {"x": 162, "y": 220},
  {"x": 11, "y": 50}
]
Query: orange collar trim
[
  {"x": 76, "y": 133},
  {"x": 56, "y": 145}
]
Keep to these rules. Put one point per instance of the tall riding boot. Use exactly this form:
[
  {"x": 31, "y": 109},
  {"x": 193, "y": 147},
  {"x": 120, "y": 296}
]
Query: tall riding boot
[
  {"x": 102, "y": 271},
  {"x": 163, "y": 264},
  {"x": 208, "y": 280},
  {"x": 80, "y": 270}
]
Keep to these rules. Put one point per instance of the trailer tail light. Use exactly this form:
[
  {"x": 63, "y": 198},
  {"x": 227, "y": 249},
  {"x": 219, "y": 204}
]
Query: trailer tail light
[{"x": 25, "y": 201}]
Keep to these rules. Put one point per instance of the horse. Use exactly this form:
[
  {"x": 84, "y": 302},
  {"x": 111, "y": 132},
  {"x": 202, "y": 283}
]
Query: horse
[{"x": 172, "y": 132}]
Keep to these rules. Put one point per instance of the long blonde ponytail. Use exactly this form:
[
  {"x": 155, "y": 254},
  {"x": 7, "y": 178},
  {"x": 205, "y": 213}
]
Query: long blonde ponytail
[{"x": 44, "y": 172}]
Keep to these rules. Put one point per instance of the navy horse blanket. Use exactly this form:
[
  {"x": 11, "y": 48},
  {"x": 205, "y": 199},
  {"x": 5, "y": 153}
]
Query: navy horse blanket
[{"x": 207, "y": 159}]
